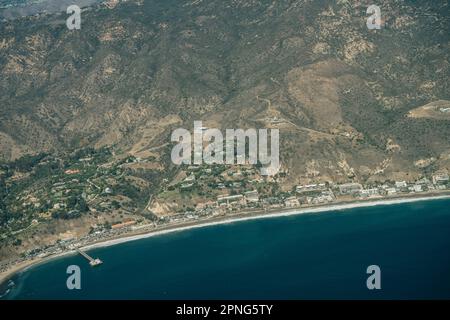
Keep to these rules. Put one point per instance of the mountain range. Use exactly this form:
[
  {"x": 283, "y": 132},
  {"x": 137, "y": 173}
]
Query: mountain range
[{"x": 346, "y": 99}]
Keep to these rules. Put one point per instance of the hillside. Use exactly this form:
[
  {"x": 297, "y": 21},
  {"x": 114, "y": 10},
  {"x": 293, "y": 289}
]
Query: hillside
[
  {"x": 143, "y": 63},
  {"x": 349, "y": 101}
]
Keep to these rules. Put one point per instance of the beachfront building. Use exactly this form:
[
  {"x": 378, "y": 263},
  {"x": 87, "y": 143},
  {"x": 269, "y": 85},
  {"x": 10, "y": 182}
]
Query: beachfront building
[
  {"x": 310, "y": 187},
  {"x": 424, "y": 182},
  {"x": 366, "y": 193},
  {"x": 206, "y": 205},
  {"x": 238, "y": 198},
  {"x": 401, "y": 185},
  {"x": 252, "y": 196},
  {"x": 291, "y": 202},
  {"x": 391, "y": 191},
  {"x": 350, "y": 188},
  {"x": 324, "y": 197},
  {"x": 440, "y": 178}
]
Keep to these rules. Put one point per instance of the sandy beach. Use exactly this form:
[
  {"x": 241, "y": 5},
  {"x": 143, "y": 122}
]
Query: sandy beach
[
  {"x": 232, "y": 218},
  {"x": 260, "y": 215},
  {"x": 23, "y": 266}
]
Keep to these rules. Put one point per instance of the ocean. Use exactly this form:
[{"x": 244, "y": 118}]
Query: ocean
[{"x": 309, "y": 256}]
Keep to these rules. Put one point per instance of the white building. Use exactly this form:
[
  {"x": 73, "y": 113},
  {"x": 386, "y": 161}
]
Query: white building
[
  {"x": 441, "y": 178},
  {"x": 231, "y": 199},
  {"x": 252, "y": 196},
  {"x": 291, "y": 202},
  {"x": 350, "y": 188},
  {"x": 391, "y": 191},
  {"x": 310, "y": 187},
  {"x": 191, "y": 178},
  {"x": 369, "y": 192},
  {"x": 401, "y": 184}
]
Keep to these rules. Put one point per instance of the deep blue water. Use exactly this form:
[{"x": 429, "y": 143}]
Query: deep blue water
[{"x": 313, "y": 256}]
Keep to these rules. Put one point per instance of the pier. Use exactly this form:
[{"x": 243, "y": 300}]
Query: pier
[{"x": 93, "y": 262}]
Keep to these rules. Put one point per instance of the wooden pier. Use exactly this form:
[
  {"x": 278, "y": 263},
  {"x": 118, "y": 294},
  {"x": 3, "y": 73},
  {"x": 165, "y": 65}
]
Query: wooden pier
[{"x": 93, "y": 262}]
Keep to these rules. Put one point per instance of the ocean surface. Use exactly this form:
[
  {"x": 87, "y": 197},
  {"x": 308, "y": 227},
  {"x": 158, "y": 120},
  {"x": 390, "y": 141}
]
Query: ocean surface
[{"x": 309, "y": 256}]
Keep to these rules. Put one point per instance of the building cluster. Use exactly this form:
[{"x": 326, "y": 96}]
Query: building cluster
[
  {"x": 308, "y": 195},
  {"x": 68, "y": 241},
  {"x": 214, "y": 191}
]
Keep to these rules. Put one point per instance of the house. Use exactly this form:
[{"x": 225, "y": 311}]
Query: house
[
  {"x": 350, "y": 188},
  {"x": 72, "y": 171},
  {"x": 231, "y": 199},
  {"x": 423, "y": 181},
  {"x": 58, "y": 206},
  {"x": 252, "y": 196},
  {"x": 369, "y": 192},
  {"x": 191, "y": 178},
  {"x": 401, "y": 184},
  {"x": 391, "y": 191},
  {"x": 186, "y": 186},
  {"x": 59, "y": 184},
  {"x": 205, "y": 205},
  {"x": 440, "y": 178},
  {"x": 317, "y": 200},
  {"x": 291, "y": 202},
  {"x": 310, "y": 187},
  {"x": 328, "y": 196}
]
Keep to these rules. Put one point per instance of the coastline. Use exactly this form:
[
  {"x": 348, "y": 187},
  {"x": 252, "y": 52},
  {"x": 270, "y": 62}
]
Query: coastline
[
  {"x": 259, "y": 214},
  {"x": 232, "y": 218},
  {"x": 25, "y": 265}
]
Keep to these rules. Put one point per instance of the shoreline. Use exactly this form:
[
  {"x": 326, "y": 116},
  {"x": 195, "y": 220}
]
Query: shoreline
[
  {"x": 221, "y": 220},
  {"x": 258, "y": 215}
]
